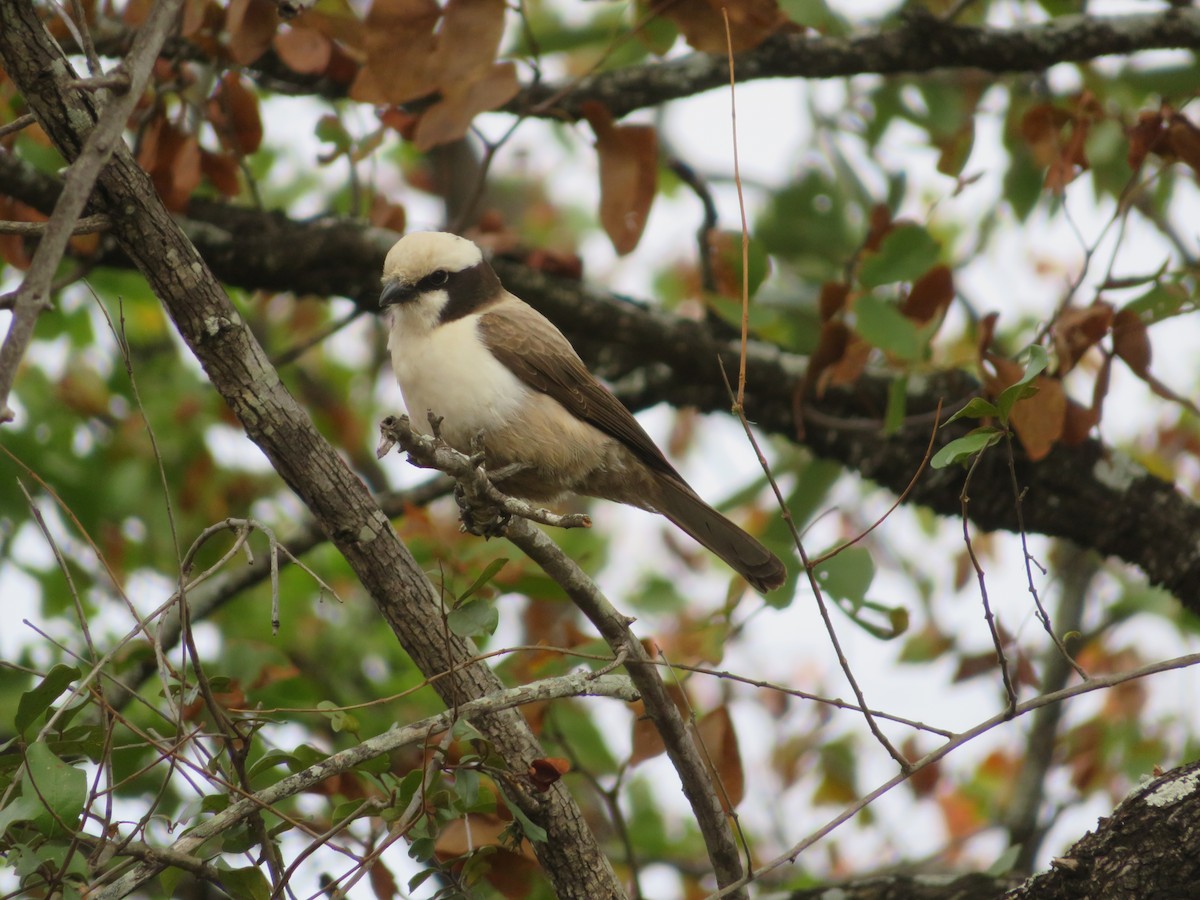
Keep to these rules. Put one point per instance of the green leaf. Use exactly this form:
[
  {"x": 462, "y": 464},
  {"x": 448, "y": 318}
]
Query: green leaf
[
  {"x": 487, "y": 575},
  {"x": 476, "y": 617},
  {"x": 848, "y": 575},
  {"x": 963, "y": 448},
  {"x": 61, "y": 788},
  {"x": 246, "y": 884},
  {"x": 907, "y": 252},
  {"x": 977, "y": 408},
  {"x": 36, "y": 701},
  {"x": 882, "y": 325},
  {"x": 533, "y": 833}
]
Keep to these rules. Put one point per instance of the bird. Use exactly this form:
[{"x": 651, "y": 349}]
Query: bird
[{"x": 487, "y": 363}]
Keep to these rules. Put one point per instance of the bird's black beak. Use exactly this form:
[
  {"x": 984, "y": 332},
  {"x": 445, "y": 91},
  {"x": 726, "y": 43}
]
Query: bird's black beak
[{"x": 395, "y": 292}]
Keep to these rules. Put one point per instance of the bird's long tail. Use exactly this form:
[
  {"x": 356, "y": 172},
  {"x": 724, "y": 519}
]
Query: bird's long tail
[{"x": 742, "y": 553}]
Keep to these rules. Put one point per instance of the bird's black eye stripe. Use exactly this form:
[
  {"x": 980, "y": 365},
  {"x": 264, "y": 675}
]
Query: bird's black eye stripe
[{"x": 435, "y": 279}]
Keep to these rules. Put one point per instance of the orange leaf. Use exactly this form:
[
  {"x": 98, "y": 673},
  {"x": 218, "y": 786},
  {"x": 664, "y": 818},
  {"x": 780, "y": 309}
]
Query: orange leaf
[
  {"x": 960, "y": 814},
  {"x": 251, "y": 24},
  {"x": 628, "y": 175},
  {"x": 724, "y": 760},
  {"x": 1038, "y": 420},
  {"x": 304, "y": 50},
  {"x": 233, "y": 112}
]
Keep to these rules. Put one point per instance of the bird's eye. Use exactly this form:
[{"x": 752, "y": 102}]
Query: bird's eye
[{"x": 439, "y": 278}]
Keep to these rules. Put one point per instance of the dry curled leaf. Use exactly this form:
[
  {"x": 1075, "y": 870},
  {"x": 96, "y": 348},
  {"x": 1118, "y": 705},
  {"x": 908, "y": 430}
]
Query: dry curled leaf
[
  {"x": 546, "y": 771},
  {"x": 1077, "y": 330}
]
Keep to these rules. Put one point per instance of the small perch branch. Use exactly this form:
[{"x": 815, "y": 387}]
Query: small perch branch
[
  {"x": 431, "y": 451},
  {"x": 428, "y": 451}
]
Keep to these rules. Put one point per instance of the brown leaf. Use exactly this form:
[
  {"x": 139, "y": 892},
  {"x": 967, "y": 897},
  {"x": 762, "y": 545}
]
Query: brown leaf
[
  {"x": 468, "y": 40},
  {"x": 545, "y": 771},
  {"x": 1147, "y": 136},
  {"x": 251, "y": 25},
  {"x": 833, "y": 299},
  {"x": 881, "y": 225},
  {"x": 383, "y": 882},
  {"x": 924, "y": 781},
  {"x": 1040, "y": 129},
  {"x": 847, "y": 369},
  {"x": 1131, "y": 341},
  {"x": 449, "y": 118},
  {"x": 1038, "y": 420},
  {"x": 831, "y": 347},
  {"x": 703, "y": 26},
  {"x": 173, "y": 160},
  {"x": 233, "y": 112},
  {"x": 387, "y": 215},
  {"x": 628, "y": 175},
  {"x": 647, "y": 743},
  {"x": 195, "y": 12},
  {"x": 1077, "y": 330},
  {"x": 722, "y": 756},
  {"x": 400, "y": 47},
  {"x": 931, "y": 294},
  {"x": 1184, "y": 139},
  {"x": 222, "y": 171},
  {"x": 304, "y": 50}
]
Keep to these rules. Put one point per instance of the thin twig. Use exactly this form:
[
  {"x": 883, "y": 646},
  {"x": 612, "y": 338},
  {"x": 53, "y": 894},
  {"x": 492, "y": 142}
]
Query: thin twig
[
  {"x": 86, "y": 225},
  {"x": 33, "y": 295},
  {"x": 574, "y": 685},
  {"x": 1095, "y": 684},
  {"x": 965, "y": 499}
]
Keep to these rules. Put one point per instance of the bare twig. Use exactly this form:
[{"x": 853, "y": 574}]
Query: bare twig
[
  {"x": 1095, "y": 684},
  {"x": 574, "y": 685},
  {"x": 1005, "y": 674},
  {"x": 86, "y": 225}
]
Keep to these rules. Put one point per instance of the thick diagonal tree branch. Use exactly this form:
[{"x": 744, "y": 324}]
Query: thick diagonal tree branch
[
  {"x": 238, "y": 368},
  {"x": 1090, "y": 494}
]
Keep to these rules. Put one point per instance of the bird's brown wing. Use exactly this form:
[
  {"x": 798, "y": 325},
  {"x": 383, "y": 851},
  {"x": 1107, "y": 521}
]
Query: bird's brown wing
[{"x": 529, "y": 345}]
